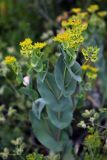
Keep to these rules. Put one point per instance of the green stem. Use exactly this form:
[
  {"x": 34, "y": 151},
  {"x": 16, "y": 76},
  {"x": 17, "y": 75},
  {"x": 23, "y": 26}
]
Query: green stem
[
  {"x": 65, "y": 72},
  {"x": 59, "y": 131}
]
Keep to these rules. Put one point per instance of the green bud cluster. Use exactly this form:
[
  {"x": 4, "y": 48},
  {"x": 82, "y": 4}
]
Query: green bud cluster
[{"x": 90, "y": 53}]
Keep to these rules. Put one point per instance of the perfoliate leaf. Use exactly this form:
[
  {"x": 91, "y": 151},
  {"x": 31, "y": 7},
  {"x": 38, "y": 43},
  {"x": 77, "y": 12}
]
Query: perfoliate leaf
[
  {"x": 52, "y": 95},
  {"x": 64, "y": 81}
]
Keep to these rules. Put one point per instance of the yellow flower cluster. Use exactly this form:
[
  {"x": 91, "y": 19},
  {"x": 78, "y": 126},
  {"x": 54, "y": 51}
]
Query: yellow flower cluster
[
  {"x": 65, "y": 23},
  {"x": 93, "y": 8},
  {"x": 102, "y": 13},
  {"x": 76, "y": 32},
  {"x": 39, "y": 45},
  {"x": 10, "y": 60},
  {"x": 90, "y": 53},
  {"x": 76, "y": 41},
  {"x": 73, "y": 33},
  {"x": 85, "y": 67},
  {"x": 26, "y": 42},
  {"x": 91, "y": 71},
  {"x": 76, "y": 10},
  {"x": 74, "y": 21},
  {"x": 89, "y": 67},
  {"x": 62, "y": 37},
  {"x": 83, "y": 15},
  {"x": 27, "y": 47}
]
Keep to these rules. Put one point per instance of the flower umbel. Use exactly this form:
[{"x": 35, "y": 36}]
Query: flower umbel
[
  {"x": 102, "y": 13},
  {"x": 26, "y": 42},
  {"x": 72, "y": 36},
  {"x": 26, "y": 47},
  {"x": 39, "y": 45},
  {"x": 13, "y": 64},
  {"x": 89, "y": 67},
  {"x": 83, "y": 15},
  {"x": 91, "y": 71},
  {"x": 93, "y": 8},
  {"x": 76, "y": 10},
  {"x": 62, "y": 37},
  {"x": 74, "y": 21},
  {"x": 90, "y": 53},
  {"x": 10, "y": 60},
  {"x": 65, "y": 23}
]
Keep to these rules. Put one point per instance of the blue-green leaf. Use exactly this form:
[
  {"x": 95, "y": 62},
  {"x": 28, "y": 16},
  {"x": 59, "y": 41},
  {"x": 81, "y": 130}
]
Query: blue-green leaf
[
  {"x": 45, "y": 71},
  {"x": 75, "y": 71},
  {"x": 52, "y": 95},
  {"x": 62, "y": 119},
  {"x": 68, "y": 154},
  {"x": 37, "y": 107},
  {"x": 43, "y": 133},
  {"x": 64, "y": 81}
]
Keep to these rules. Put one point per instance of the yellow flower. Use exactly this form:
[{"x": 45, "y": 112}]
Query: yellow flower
[
  {"x": 102, "y": 13},
  {"x": 65, "y": 23},
  {"x": 62, "y": 37},
  {"x": 26, "y": 47},
  {"x": 89, "y": 67},
  {"x": 85, "y": 67},
  {"x": 74, "y": 21},
  {"x": 84, "y": 26},
  {"x": 26, "y": 42},
  {"x": 76, "y": 41},
  {"x": 83, "y": 15},
  {"x": 93, "y": 69},
  {"x": 76, "y": 10},
  {"x": 39, "y": 45},
  {"x": 91, "y": 75},
  {"x": 72, "y": 37},
  {"x": 10, "y": 60},
  {"x": 93, "y": 8}
]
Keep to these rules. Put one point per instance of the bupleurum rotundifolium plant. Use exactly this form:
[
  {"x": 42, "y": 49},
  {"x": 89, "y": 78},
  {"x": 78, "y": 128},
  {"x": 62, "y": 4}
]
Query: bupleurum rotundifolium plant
[{"x": 52, "y": 114}]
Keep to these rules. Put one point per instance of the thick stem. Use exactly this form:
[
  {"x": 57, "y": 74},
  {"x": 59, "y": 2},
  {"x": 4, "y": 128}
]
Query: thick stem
[{"x": 59, "y": 131}]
